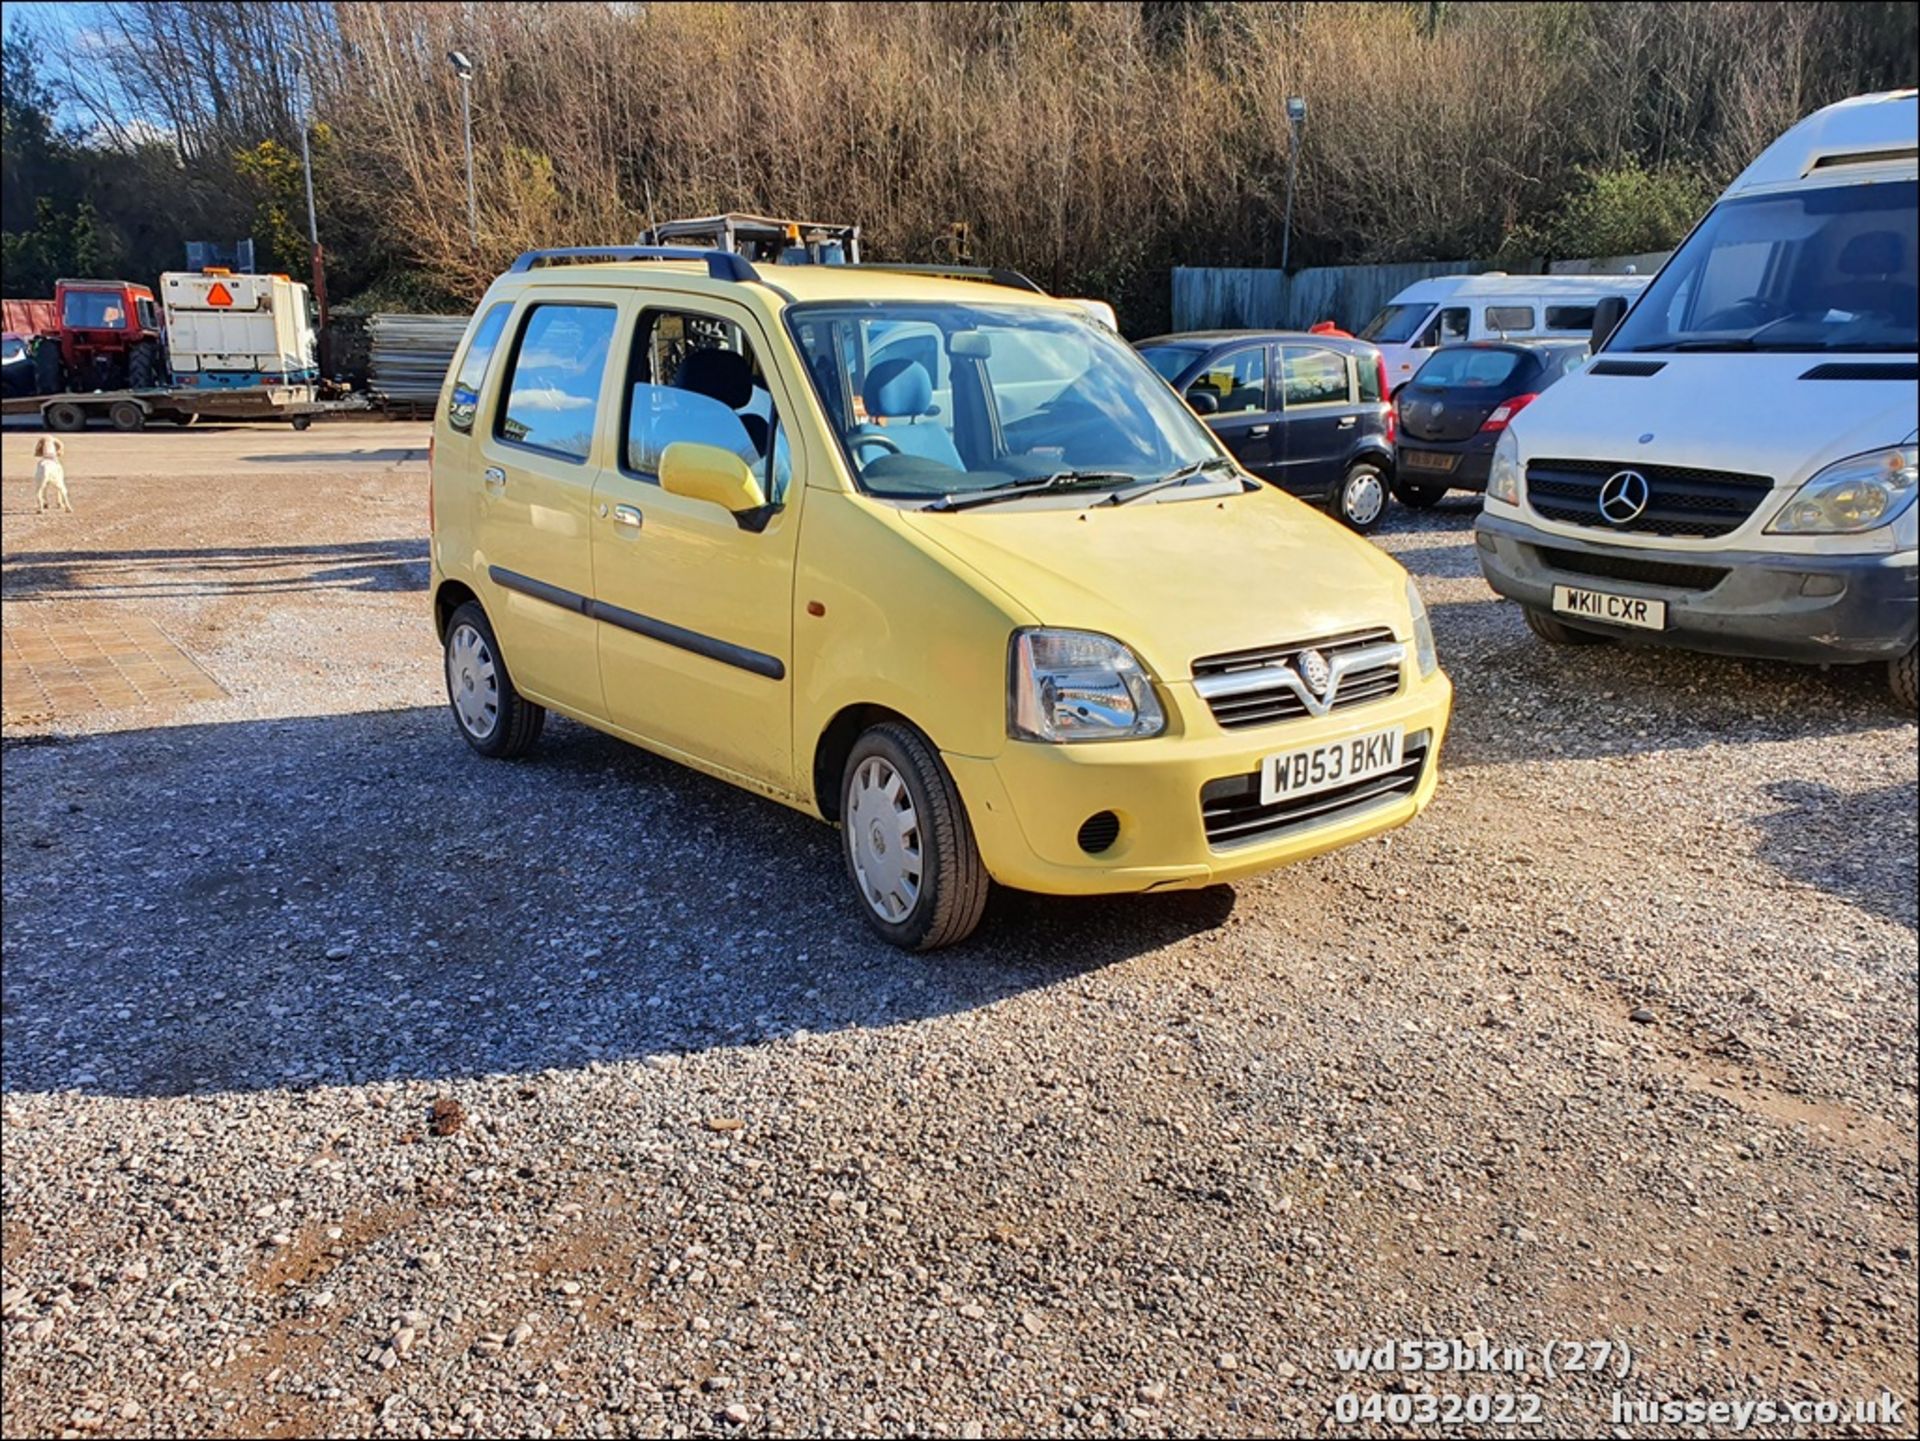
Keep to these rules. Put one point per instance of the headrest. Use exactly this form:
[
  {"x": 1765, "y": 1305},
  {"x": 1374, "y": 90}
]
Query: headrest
[
  {"x": 1872, "y": 252},
  {"x": 723, "y": 375},
  {"x": 898, "y": 387}
]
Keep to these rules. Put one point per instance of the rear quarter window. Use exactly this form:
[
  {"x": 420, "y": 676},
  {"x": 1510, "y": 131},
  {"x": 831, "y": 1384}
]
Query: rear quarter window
[
  {"x": 465, "y": 403},
  {"x": 1570, "y": 317}
]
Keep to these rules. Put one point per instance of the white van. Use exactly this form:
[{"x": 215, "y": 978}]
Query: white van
[
  {"x": 1496, "y": 306},
  {"x": 1735, "y": 470}
]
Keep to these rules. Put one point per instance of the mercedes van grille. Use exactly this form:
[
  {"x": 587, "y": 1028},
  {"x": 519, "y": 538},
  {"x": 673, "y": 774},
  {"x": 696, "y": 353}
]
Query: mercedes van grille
[
  {"x": 1230, "y": 807},
  {"x": 1270, "y": 683},
  {"x": 1681, "y": 501}
]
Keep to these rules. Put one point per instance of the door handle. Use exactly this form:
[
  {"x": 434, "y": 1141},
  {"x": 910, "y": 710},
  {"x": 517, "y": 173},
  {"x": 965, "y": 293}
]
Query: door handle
[
  {"x": 494, "y": 477},
  {"x": 1258, "y": 429},
  {"x": 626, "y": 515},
  {"x": 1346, "y": 421}
]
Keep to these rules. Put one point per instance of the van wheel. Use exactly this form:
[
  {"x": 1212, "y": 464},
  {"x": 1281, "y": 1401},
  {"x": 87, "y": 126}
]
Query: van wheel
[
  {"x": 1361, "y": 500},
  {"x": 1904, "y": 676},
  {"x": 492, "y": 717},
  {"x": 1420, "y": 497},
  {"x": 1553, "y": 632},
  {"x": 910, "y": 850}
]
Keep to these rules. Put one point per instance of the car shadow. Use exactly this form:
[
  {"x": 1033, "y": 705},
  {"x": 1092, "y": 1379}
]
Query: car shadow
[
  {"x": 353, "y": 898},
  {"x": 1815, "y": 839},
  {"x": 373, "y": 565},
  {"x": 394, "y": 455}
]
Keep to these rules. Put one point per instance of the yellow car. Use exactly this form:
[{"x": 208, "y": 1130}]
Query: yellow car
[{"x": 930, "y": 556}]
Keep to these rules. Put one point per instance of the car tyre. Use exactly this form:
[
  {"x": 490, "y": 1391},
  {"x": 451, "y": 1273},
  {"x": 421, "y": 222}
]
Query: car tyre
[
  {"x": 491, "y": 716},
  {"x": 1553, "y": 632},
  {"x": 1361, "y": 500},
  {"x": 910, "y": 850},
  {"x": 1417, "y": 495},
  {"x": 1903, "y": 674}
]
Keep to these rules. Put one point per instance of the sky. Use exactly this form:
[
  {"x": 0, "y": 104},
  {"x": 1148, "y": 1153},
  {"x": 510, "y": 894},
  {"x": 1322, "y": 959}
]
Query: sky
[{"x": 68, "y": 24}]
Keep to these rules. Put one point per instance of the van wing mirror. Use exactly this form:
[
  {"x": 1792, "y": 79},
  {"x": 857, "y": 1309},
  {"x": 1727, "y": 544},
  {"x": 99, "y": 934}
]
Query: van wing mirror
[
  {"x": 709, "y": 472},
  {"x": 1607, "y": 314}
]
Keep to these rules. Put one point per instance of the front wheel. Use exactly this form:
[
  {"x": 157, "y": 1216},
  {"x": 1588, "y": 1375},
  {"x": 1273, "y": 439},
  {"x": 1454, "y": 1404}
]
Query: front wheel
[
  {"x": 1361, "y": 500},
  {"x": 491, "y": 716},
  {"x": 910, "y": 850},
  {"x": 1550, "y": 630},
  {"x": 1903, "y": 675}
]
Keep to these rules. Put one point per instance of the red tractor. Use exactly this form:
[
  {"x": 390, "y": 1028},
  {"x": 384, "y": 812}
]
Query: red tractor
[{"x": 109, "y": 338}]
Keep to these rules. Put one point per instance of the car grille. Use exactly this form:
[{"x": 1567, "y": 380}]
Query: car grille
[
  {"x": 1231, "y": 811},
  {"x": 1260, "y": 686},
  {"x": 1646, "y": 572},
  {"x": 1682, "y": 501}
]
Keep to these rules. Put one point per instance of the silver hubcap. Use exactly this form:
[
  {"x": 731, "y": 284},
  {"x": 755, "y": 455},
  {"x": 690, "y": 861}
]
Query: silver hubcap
[
  {"x": 1365, "y": 496},
  {"x": 883, "y": 837},
  {"x": 472, "y": 682}
]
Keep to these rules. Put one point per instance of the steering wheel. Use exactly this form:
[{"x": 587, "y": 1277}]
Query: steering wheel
[
  {"x": 1748, "y": 310},
  {"x": 872, "y": 437}
]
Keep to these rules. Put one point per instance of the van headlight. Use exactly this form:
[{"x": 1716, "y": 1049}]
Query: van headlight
[
  {"x": 1076, "y": 685},
  {"x": 1862, "y": 492},
  {"x": 1423, "y": 650},
  {"x": 1503, "y": 475}
]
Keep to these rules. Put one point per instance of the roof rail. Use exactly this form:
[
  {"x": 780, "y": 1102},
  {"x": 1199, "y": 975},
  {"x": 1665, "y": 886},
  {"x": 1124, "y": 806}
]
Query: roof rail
[
  {"x": 721, "y": 264},
  {"x": 995, "y": 275}
]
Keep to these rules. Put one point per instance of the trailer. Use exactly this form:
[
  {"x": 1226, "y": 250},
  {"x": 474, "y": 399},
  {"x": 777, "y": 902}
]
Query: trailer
[{"x": 181, "y": 405}]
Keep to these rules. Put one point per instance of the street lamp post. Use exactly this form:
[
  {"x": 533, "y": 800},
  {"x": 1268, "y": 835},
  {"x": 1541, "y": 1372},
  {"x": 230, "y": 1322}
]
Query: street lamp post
[
  {"x": 1296, "y": 121},
  {"x": 463, "y": 67},
  {"x": 313, "y": 222}
]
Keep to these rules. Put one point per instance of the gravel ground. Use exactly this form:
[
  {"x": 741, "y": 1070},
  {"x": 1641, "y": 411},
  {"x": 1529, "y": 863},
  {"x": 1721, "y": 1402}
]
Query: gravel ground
[{"x": 355, "y": 1085}]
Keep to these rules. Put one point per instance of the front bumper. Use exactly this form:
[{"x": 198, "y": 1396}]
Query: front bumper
[
  {"x": 1469, "y": 471},
  {"x": 1774, "y": 606},
  {"x": 1027, "y": 803}
]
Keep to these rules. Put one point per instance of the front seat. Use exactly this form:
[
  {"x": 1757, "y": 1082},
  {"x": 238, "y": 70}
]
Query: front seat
[
  {"x": 1872, "y": 266},
  {"x": 901, "y": 390},
  {"x": 725, "y": 376}
]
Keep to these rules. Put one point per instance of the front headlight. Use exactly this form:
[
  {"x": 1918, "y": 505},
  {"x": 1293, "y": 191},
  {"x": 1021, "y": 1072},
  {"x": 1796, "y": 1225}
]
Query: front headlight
[
  {"x": 1075, "y": 685},
  {"x": 1862, "y": 492},
  {"x": 1423, "y": 650},
  {"x": 1503, "y": 475}
]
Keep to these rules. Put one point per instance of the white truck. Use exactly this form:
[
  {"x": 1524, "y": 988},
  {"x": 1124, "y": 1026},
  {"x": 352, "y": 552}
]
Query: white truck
[
  {"x": 237, "y": 331},
  {"x": 1734, "y": 470}
]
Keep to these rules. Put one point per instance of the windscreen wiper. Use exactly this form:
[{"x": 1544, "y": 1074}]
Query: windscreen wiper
[
  {"x": 1179, "y": 477},
  {"x": 1032, "y": 485},
  {"x": 1731, "y": 343}
]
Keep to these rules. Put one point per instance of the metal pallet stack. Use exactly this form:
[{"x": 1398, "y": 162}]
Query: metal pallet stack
[{"x": 408, "y": 358}]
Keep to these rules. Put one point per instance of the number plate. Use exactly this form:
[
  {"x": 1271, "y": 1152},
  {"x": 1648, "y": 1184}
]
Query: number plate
[
  {"x": 1289, "y": 775},
  {"x": 1612, "y": 609},
  {"x": 1428, "y": 460}
]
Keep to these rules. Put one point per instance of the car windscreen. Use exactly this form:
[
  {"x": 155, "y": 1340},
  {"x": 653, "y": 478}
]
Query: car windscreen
[
  {"x": 1828, "y": 268},
  {"x": 1170, "y": 360},
  {"x": 939, "y": 399},
  {"x": 1396, "y": 324},
  {"x": 1466, "y": 365}
]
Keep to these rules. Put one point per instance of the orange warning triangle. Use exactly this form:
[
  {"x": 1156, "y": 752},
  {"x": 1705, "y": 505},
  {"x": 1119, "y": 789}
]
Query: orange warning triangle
[{"x": 219, "y": 295}]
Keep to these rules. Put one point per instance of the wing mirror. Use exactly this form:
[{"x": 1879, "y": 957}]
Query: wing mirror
[
  {"x": 1203, "y": 401},
  {"x": 1607, "y": 314},
  {"x": 711, "y": 473}
]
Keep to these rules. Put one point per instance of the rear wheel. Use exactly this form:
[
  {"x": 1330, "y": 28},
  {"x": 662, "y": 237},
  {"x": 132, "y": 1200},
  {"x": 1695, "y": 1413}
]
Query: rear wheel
[
  {"x": 1361, "y": 500},
  {"x": 1904, "y": 676},
  {"x": 1550, "y": 630},
  {"x": 1420, "y": 495},
  {"x": 128, "y": 415},
  {"x": 910, "y": 850},
  {"x": 143, "y": 365},
  {"x": 64, "y": 415},
  {"x": 491, "y": 716},
  {"x": 46, "y": 368}
]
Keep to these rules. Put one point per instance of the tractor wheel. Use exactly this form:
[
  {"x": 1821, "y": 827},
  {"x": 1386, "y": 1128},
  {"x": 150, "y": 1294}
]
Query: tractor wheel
[
  {"x": 46, "y": 368},
  {"x": 143, "y": 366}
]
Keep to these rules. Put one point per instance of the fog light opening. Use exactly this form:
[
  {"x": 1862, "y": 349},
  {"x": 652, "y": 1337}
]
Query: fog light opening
[{"x": 1098, "y": 832}]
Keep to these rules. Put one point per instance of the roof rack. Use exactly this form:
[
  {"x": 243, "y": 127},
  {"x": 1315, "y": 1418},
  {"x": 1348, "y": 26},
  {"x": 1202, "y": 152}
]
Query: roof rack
[
  {"x": 721, "y": 264},
  {"x": 995, "y": 275}
]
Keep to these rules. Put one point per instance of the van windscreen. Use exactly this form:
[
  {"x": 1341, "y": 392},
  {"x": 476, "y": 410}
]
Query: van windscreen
[
  {"x": 1396, "y": 324},
  {"x": 1831, "y": 268}
]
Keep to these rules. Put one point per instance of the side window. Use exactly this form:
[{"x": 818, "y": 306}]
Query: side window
[
  {"x": 1239, "y": 379},
  {"x": 473, "y": 369},
  {"x": 1504, "y": 319},
  {"x": 1448, "y": 327},
  {"x": 693, "y": 377},
  {"x": 148, "y": 319},
  {"x": 1313, "y": 377},
  {"x": 1570, "y": 317},
  {"x": 553, "y": 384}
]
